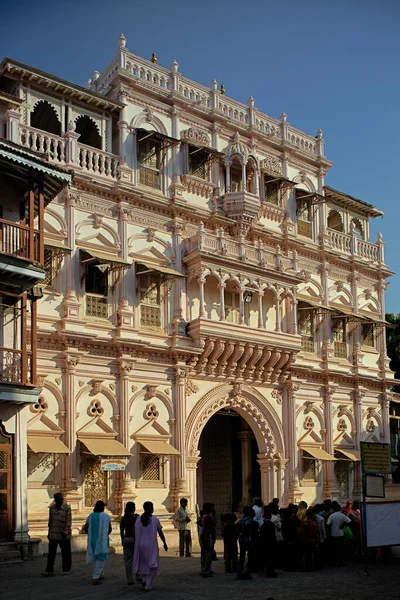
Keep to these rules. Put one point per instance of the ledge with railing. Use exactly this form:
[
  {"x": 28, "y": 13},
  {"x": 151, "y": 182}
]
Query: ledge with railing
[{"x": 19, "y": 241}]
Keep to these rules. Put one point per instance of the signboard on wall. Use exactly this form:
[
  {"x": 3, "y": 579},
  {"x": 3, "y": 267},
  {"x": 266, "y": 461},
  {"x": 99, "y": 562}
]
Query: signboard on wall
[
  {"x": 375, "y": 458},
  {"x": 382, "y": 524},
  {"x": 113, "y": 464},
  {"x": 375, "y": 486}
]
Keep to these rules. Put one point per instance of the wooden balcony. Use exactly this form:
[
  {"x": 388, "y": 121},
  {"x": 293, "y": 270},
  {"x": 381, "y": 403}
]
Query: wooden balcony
[
  {"x": 20, "y": 241},
  {"x": 16, "y": 366}
]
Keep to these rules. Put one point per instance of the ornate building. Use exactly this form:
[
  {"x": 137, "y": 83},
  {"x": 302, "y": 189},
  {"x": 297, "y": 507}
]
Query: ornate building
[{"x": 212, "y": 310}]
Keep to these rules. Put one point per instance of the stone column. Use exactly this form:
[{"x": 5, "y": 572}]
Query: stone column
[
  {"x": 222, "y": 287},
  {"x": 329, "y": 473},
  {"x": 278, "y": 311},
  {"x": 12, "y": 118},
  {"x": 191, "y": 490},
  {"x": 294, "y": 492},
  {"x": 260, "y": 309},
  {"x": 241, "y": 306},
  {"x": 71, "y": 304},
  {"x": 124, "y": 488},
  {"x": 246, "y": 438},
  {"x": 357, "y": 400},
  {"x": 202, "y": 281},
  {"x": 179, "y": 297},
  {"x": 267, "y": 478},
  {"x": 20, "y": 461},
  {"x": 385, "y": 402},
  {"x": 179, "y": 485},
  {"x": 70, "y": 470}
]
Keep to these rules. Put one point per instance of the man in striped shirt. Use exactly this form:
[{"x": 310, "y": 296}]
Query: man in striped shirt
[{"x": 59, "y": 535}]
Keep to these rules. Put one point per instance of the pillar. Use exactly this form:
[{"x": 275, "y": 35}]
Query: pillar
[
  {"x": 124, "y": 488},
  {"x": 278, "y": 312},
  {"x": 70, "y": 461},
  {"x": 357, "y": 400},
  {"x": 179, "y": 288},
  {"x": 202, "y": 281},
  {"x": 20, "y": 476},
  {"x": 260, "y": 309},
  {"x": 294, "y": 492},
  {"x": 246, "y": 438},
  {"x": 329, "y": 473},
  {"x": 241, "y": 306},
  {"x": 179, "y": 484},
  {"x": 222, "y": 287}
]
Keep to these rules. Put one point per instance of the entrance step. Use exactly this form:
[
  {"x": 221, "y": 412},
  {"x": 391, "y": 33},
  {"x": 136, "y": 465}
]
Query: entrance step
[{"x": 9, "y": 552}]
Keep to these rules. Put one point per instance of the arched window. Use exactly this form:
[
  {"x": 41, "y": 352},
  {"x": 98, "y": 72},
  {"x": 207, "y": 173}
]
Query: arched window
[
  {"x": 335, "y": 221},
  {"x": 251, "y": 174},
  {"x": 358, "y": 228},
  {"x": 87, "y": 129},
  {"x": 236, "y": 175},
  {"x": 44, "y": 117}
]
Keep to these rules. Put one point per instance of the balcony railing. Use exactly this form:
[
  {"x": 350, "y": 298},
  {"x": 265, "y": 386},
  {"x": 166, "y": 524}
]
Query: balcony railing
[
  {"x": 304, "y": 228},
  {"x": 15, "y": 366},
  {"x": 346, "y": 243},
  {"x": 41, "y": 141},
  {"x": 19, "y": 240},
  {"x": 96, "y": 306},
  {"x": 97, "y": 162}
]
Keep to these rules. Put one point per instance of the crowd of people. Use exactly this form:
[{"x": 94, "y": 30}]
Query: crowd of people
[
  {"x": 298, "y": 537},
  {"x": 262, "y": 539}
]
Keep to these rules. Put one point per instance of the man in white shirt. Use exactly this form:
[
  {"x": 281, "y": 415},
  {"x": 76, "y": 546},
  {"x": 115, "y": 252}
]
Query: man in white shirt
[
  {"x": 257, "y": 504},
  {"x": 336, "y": 522},
  {"x": 183, "y": 522}
]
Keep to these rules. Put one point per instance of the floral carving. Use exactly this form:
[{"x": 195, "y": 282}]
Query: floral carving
[
  {"x": 195, "y": 136},
  {"x": 40, "y": 406},
  {"x": 134, "y": 389},
  {"x": 308, "y": 423},
  {"x": 272, "y": 163},
  {"x": 277, "y": 395},
  {"x": 342, "y": 425},
  {"x": 191, "y": 387},
  {"x": 95, "y": 409},
  {"x": 151, "y": 391},
  {"x": 151, "y": 412}
]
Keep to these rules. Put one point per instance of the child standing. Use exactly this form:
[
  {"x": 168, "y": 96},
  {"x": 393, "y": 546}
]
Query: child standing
[
  {"x": 229, "y": 535},
  {"x": 246, "y": 543}
]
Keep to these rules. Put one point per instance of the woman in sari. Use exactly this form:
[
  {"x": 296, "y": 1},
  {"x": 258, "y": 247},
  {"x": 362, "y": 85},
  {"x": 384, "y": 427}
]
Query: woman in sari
[
  {"x": 98, "y": 527},
  {"x": 146, "y": 561}
]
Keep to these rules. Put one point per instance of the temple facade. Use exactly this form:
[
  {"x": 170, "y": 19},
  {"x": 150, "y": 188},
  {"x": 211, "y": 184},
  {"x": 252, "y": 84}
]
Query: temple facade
[{"x": 213, "y": 318}]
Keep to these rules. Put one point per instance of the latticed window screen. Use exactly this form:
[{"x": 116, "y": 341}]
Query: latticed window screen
[
  {"x": 271, "y": 191},
  {"x": 368, "y": 335},
  {"x": 95, "y": 481},
  {"x": 149, "y": 154},
  {"x": 309, "y": 467},
  {"x": 150, "y": 300},
  {"x": 49, "y": 266},
  {"x": 339, "y": 337},
  {"x": 232, "y": 307},
  {"x": 150, "y": 466}
]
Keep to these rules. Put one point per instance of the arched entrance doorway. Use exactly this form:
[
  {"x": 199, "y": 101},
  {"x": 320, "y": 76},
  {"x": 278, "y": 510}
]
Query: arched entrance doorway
[
  {"x": 228, "y": 472},
  {"x": 228, "y": 417}
]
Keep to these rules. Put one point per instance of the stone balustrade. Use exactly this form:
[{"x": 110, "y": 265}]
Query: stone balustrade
[
  {"x": 97, "y": 162},
  {"x": 49, "y": 144},
  {"x": 346, "y": 243}
]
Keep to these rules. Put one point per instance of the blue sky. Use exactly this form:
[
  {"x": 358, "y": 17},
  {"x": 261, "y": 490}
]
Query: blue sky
[{"x": 332, "y": 65}]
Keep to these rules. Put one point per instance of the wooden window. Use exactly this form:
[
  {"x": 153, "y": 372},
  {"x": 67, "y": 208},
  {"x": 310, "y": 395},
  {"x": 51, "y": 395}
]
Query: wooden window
[
  {"x": 149, "y": 158},
  {"x": 368, "y": 335},
  {"x": 271, "y": 190},
  {"x": 96, "y": 288},
  {"x": 304, "y": 213},
  {"x": 309, "y": 468},
  {"x": 306, "y": 328},
  {"x": 232, "y": 307},
  {"x": 150, "y": 300},
  {"x": 199, "y": 162},
  {"x": 339, "y": 337},
  {"x": 49, "y": 266}
]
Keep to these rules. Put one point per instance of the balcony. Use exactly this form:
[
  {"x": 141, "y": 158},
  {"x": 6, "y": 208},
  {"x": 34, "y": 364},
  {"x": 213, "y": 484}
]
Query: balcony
[
  {"x": 16, "y": 367},
  {"x": 237, "y": 351},
  {"x": 351, "y": 245},
  {"x": 19, "y": 241},
  {"x": 96, "y": 306}
]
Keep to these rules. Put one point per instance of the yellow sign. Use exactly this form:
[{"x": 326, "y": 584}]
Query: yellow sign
[{"x": 375, "y": 458}]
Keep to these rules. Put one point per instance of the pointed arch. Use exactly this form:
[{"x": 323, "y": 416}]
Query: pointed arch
[
  {"x": 141, "y": 394},
  {"x": 45, "y": 116},
  {"x": 89, "y": 131}
]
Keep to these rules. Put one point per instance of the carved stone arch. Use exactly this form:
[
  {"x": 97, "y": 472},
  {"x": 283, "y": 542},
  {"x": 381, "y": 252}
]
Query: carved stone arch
[
  {"x": 63, "y": 228},
  {"x": 103, "y": 390},
  {"x": 141, "y": 394},
  {"x": 305, "y": 288},
  {"x": 90, "y": 118},
  {"x": 372, "y": 416},
  {"x": 358, "y": 227},
  {"x": 144, "y": 236},
  {"x": 254, "y": 408},
  {"x": 46, "y": 116},
  {"x": 213, "y": 273},
  {"x": 253, "y": 159},
  {"x": 304, "y": 181},
  {"x": 147, "y": 120},
  {"x": 335, "y": 294},
  {"x": 114, "y": 234},
  {"x": 51, "y": 387},
  {"x": 371, "y": 300},
  {"x": 314, "y": 410}
]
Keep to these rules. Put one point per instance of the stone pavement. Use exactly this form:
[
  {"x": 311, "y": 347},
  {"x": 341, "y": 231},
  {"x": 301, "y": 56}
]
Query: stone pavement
[{"x": 179, "y": 580}]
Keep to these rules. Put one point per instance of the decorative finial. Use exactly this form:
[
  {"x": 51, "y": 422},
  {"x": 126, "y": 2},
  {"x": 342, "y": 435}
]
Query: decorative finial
[
  {"x": 122, "y": 41},
  {"x": 283, "y": 117},
  {"x": 319, "y": 134},
  {"x": 95, "y": 75},
  {"x": 88, "y": 84},
  {"x": 251, "y": 102},
  {"x": 154, "y": 58},
  {"x": 214, "y": 85},
  {"x": 222, "y": 90},
  {"x": 236, "y": 137},
  {"x": 71, "y": 125},
  {"x": 175, "y": 66},
  {"x": 379, "y": 236}
]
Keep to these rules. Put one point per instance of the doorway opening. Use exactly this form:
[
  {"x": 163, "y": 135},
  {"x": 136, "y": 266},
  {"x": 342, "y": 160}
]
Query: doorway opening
[{"x": 228, "y": 473}]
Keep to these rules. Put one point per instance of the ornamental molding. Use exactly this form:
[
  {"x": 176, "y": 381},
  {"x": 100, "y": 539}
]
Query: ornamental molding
[
  {"x": 196, "y": 136},
  {"x": 191, "y": 387},
  {"x": 272, "y": 163}
]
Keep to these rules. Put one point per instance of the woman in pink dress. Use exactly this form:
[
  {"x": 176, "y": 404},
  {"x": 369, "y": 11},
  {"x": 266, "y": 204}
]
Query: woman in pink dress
[{"x": 146, "y": 560}]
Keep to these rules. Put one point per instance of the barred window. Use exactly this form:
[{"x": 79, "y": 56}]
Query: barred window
[
  {"x": 309, "y": 468},
  {"x": 49, "y": 265},
  {"x": 150, "y": 467},
  {"x": 199, "y": 162},
  {"x": 368, "y": 335},
  {"x": 150, "y": 300},
  {"x": 271, "y": 188},
  {"x": 306, "y": 328}
]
